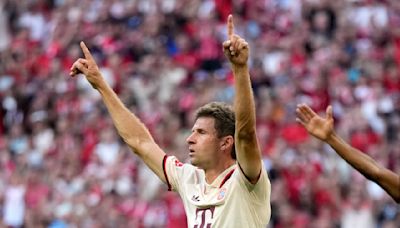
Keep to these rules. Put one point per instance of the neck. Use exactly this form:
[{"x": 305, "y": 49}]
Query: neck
[{"x": 212, "y": 174}]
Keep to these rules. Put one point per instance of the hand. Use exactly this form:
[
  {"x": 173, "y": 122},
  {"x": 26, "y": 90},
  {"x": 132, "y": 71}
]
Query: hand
[
  {"x": 88, "y": 67},
  {"x": 236, "y": 49},
  {"x": 321, "y": 128}
]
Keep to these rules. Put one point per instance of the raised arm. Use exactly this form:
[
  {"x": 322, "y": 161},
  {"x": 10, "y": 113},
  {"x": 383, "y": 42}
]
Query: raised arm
[
  {"x": 322, "y": 128},
  {"x": 129, "y": 127},
  {"x": 248, "y": 152}
]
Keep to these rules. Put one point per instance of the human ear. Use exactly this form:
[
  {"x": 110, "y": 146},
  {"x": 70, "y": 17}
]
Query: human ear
[{"x": 226, "y": 142}]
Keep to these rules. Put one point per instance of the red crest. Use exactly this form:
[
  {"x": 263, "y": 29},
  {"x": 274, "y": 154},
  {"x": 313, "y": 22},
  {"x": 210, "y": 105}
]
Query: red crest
[{"x": 178, "y": 163}]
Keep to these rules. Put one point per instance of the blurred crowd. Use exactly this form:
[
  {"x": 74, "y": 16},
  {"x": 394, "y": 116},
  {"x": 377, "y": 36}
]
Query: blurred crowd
[{"x": 63, "y": 164}]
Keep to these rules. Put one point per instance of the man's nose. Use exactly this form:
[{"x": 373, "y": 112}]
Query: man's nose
[{"x": 190, "y": 139}]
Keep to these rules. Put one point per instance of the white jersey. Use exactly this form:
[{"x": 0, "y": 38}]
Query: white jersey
[{"x": 230, "y": 201}]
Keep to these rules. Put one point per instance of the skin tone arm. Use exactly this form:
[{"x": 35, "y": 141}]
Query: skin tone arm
[
  {"x": 248, "y": 152},
  {"x": 129, "y": 127},
  {"x": 322, "y": 128}
]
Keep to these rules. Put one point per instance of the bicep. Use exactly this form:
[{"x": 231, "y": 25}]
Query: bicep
[
  {"x": 152, "y": 155},
  {"x": 248, "y": 155}
]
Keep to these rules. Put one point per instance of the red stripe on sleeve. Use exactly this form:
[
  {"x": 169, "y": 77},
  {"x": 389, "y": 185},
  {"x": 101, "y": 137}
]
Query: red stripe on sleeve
[
  {"x": 165, "y": 172},
  {"x": 258, "y": 178}
]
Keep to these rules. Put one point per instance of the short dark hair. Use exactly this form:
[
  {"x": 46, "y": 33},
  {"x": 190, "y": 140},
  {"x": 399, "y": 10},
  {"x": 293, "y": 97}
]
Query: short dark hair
[{"x": 224, "y": 117}]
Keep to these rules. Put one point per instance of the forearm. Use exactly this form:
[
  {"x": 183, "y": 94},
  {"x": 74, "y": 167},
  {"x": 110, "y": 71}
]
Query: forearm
[
  {"x": 360, "y": 161},
  {"x": 387, "y": 179},
  {"x": 129, "y": 127},
  {"x": 244, "y": 102}
]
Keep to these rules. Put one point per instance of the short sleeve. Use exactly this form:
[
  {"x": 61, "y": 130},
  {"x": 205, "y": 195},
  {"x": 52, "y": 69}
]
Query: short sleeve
[
  {"x": 261, "y": 189},
  {"x": 175, "y": 171}
]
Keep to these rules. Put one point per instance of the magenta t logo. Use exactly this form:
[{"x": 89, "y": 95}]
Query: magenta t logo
[{"x": 204, "y": 217}]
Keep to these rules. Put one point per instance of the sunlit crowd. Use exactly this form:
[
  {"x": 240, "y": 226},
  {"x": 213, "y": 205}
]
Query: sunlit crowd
[{"x": 63, "y": 164}]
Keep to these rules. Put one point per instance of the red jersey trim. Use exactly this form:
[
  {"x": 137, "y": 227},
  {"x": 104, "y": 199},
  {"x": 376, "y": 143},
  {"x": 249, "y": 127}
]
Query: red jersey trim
[
  {"x": 226, "y": 178},
  {"x": 165, "y": 171},
  {"x": 258, "y": 178}
]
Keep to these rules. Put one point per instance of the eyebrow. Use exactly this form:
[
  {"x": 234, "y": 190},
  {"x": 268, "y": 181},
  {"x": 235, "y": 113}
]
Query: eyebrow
[{"x": 198, "y": 129}]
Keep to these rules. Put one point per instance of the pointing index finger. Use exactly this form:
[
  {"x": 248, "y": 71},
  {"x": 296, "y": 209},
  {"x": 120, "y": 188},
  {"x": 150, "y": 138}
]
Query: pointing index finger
[
  {"x": 230, "y": 26},
  {"x": 86, "y": 51}
]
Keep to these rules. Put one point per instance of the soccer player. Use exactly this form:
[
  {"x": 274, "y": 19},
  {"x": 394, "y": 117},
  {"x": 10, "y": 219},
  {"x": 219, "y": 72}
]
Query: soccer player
[
  {"x": 226, "y": 184},
  {"x": 322, "y": 128}
]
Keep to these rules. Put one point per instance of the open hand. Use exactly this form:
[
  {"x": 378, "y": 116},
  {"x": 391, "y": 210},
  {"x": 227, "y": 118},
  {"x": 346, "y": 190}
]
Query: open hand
[
  {"x": 321, "y": 128},
  {"x": 236, "y": 49}
]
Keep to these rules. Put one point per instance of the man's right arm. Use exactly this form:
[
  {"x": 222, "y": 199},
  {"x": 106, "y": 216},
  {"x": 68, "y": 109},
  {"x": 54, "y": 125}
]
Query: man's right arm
[
  {"x": 133, "y": 131},
  {"x": 129, "y": 127}
]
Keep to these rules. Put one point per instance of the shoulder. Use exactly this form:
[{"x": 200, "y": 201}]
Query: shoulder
[
  {"x": 174, "y": 162},
  {"x": 262, "y": 185},
  {"x": 171, "y": 163}
]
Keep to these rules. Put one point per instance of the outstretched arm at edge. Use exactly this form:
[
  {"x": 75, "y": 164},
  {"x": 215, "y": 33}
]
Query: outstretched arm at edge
[
  {"x": 387, "y": 179},
  {"x": 322, "y": 128}
]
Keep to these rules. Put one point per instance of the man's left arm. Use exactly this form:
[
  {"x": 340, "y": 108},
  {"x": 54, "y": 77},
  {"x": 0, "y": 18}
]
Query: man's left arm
[{"x": 247, "y": 148}]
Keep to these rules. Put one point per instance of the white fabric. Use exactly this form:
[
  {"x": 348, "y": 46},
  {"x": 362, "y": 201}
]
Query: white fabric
[
  {"x": 14, "y": 206},
  {"x": 237, "y": 203}
]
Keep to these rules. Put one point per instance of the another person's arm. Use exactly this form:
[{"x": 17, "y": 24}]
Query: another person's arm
[
  {"x": 248, "y": 152},
  {"x": 322, "y": 128},
  {"x": 129, "y": 127}
]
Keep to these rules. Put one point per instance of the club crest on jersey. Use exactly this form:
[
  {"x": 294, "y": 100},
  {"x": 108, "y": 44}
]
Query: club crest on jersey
[
  {"x": 221, "y": 193},
  {"x": 178, "y": 163}
]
